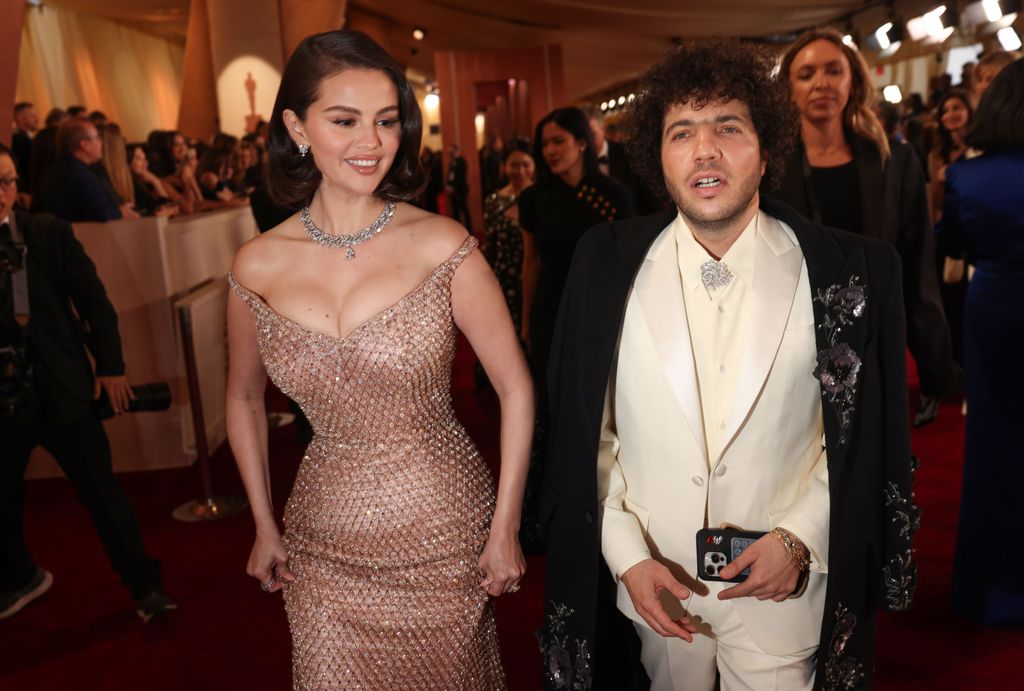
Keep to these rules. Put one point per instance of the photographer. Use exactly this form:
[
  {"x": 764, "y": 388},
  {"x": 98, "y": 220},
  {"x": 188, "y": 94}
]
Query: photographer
[{"x": 52, "y": 304}]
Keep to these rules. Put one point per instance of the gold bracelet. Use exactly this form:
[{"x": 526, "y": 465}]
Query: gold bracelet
[{"x": 797, "y": 552}]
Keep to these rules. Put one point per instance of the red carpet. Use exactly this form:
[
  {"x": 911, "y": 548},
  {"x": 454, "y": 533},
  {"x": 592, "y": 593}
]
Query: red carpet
[{"x": 229, "y": 635}]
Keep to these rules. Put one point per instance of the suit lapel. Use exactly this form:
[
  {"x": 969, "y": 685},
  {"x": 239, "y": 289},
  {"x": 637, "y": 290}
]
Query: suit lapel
[
  {"x": 659, "y": 290},
  {"x": 777, "y": 265}
]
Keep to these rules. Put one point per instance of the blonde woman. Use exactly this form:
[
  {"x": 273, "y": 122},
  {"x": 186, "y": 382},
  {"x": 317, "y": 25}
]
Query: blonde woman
[
  {"x": 115, "y": 162},
  {"x": 844, "y": 173}
]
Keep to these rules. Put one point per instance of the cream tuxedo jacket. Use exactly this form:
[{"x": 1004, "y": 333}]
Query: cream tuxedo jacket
[{"x": 655, "y": 482}]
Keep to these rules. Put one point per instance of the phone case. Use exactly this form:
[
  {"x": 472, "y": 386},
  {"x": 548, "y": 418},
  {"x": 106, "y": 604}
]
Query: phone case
[{"x": 717, "y": 547}]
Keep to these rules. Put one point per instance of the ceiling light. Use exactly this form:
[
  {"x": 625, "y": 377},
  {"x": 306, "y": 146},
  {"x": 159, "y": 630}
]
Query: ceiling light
[
  {"x": 993, "y": 12},
  {"x": 431, "y": 101},
  {"x": 604, "y": 105},
  {"x": 418, "y": 34},
  {"x": 892, "y": 94},
  {"x": 1008, "y": 39},
  {"x": 631, "y": 98},
  {"x": 886, "y": 39},
  {"x": 848, "y": 40},
  {"x": 932, "y": 27},
  {"x": 882, "y": 35}
]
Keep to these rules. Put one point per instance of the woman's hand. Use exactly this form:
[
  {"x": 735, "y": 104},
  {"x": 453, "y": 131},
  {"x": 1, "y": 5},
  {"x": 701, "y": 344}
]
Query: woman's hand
[
  {"x": 268, "y": 563},
  {"x": 503, "y": 563}
]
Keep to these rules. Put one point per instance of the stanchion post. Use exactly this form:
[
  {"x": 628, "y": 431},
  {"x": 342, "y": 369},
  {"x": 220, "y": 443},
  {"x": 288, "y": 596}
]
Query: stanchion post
[{"x": 210, "y": 507}]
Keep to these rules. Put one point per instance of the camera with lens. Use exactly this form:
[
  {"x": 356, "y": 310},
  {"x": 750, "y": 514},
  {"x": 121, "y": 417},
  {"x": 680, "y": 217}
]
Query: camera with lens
[{"x": 152, "y": 397}]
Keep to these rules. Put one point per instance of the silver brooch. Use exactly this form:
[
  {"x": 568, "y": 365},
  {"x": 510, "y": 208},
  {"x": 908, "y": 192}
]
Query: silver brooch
[
  {"x": 348, "y": 241},
  {"x": 715, "y": 274}
]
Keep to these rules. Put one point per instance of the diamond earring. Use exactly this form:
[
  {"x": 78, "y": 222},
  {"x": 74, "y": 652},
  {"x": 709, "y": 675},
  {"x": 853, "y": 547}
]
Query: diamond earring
[{"x": 303, "y": 150}]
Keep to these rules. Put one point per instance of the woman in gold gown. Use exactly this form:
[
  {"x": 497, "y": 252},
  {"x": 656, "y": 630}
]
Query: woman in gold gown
[{"x": 395, "y": 538}]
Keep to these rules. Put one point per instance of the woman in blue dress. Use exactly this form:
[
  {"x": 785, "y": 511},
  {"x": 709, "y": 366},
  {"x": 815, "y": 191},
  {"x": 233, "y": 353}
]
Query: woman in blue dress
[{"x": 983, "y": 218}]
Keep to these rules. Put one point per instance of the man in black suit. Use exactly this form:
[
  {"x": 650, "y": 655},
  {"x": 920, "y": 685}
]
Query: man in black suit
[
  {"x": 26, "y": 124},
  {"x": 69, "y": 189},
  {"x": 53, "y": 309},
  {"x": 725, "y": 361},
  {"x": 613, "y": 160},
  {"x": 457, "y": 188}
]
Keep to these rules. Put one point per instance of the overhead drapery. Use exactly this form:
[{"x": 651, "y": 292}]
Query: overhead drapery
[{"x": 68, "y": 58}]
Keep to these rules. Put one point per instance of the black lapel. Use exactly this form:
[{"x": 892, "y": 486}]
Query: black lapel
[
  {"x": 870, "y": 180},
  {"x": 830, "y": 265}
]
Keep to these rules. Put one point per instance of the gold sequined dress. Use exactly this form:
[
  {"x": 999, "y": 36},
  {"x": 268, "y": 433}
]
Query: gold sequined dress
[{"x": 392, "y": 503}]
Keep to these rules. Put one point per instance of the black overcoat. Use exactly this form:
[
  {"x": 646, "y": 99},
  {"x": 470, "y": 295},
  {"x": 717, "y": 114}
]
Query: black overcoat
[
  {"x": 894, "y": 208},
  {"x": 586, "y": 642}
]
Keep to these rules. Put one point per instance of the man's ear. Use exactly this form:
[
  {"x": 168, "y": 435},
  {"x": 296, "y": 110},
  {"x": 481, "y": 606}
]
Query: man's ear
[
  {"x": 764, "y": 162},
  {"x": 294, "y": 126}
]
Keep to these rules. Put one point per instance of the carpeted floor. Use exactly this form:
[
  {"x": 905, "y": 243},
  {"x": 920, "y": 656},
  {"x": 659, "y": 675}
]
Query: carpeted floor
[{"x": 229, "y": 635}]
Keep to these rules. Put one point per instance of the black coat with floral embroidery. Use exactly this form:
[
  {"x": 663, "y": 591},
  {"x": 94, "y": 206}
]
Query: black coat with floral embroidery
[{"x": 858, "y": 310}]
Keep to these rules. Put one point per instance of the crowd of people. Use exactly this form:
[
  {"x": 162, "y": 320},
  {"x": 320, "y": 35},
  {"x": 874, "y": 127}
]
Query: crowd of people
[
  {"x": 80, "y": 167},
  {"x": 702, "y": 325}
]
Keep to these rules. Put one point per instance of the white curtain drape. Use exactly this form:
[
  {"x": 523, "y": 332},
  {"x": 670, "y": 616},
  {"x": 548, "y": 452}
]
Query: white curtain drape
[{"x": 70, "y": 58}]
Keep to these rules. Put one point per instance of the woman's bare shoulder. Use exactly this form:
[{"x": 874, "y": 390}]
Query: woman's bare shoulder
[
  {"x": 258, "y": 260},
  {"x": 434, "y": 237}
]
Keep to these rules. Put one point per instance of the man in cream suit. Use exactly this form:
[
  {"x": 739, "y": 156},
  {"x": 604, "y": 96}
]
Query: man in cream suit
[{"x": 725, "y": 363}]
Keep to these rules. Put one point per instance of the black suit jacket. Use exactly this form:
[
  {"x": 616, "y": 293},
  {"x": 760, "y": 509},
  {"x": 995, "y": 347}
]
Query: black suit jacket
[
  {"x": 869, "y": 462},
  {"x": 70, "y": 190},
  {"x": 21, "y": 147},
  {"x": 894, "y": 208},
  {"x": 457, "y": 177},
  {"x": 70, "y": 311}
]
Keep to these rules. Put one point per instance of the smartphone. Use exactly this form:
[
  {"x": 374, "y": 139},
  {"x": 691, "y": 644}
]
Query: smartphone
[{"x": 718, "y": 547}]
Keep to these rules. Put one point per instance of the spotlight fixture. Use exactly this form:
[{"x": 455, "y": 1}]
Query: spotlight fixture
[
  {"x": 418, "y": 33},
  {"x": 604, "y": 106},
  {"x": 934, "y": 26},
  {"x": 622, "y": 100},
  {"x": 993, "y": 12},
  {"x": 848, "y": 40},
  {"x": 631, "y": 98},
  {"x": 892, "y": 94},
  {"x": 1008, "y": 38},
  {"x": 991, "y": 15},
  {"x": 886, "y": 39}
]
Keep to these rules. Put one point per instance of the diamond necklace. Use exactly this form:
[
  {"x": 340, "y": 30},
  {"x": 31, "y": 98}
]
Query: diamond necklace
[{"x": 348, "y": 241}]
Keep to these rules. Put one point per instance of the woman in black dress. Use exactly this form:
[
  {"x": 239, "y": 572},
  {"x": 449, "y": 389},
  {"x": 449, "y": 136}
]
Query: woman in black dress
[
  {"x": 503, "y": 238},
  {"x": 570, "y": 196},
  {"x": 845, "y": 174}
]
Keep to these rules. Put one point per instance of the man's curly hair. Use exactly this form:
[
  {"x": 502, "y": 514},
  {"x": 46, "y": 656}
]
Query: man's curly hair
[{"x": 702, "y": 72}]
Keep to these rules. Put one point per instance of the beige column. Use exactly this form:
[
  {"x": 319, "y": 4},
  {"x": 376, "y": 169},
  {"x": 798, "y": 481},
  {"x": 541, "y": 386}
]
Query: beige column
[
  {"x": 197, "y": 114},
  {"x": 301, "y": 18},
  {"x": 245, "y": 42},
  {"x": 12, "y": 15}
]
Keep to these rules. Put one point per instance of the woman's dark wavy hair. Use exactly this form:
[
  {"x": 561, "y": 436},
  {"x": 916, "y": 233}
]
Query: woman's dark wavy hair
[
  {"x": 292, "y": 179},
  {"x": 944, "y": 141},
  {"x": 714, "y": 71},
  {"x": 999, "y": 119},
  {"x": 573, "y": 121},
  {"x": 520, "y": 144}
]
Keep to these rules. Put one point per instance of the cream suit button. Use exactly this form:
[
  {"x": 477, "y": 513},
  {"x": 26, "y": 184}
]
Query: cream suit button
[
  {"x": 698, "y": 480},
  {"x": 720, "y": 470}
]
